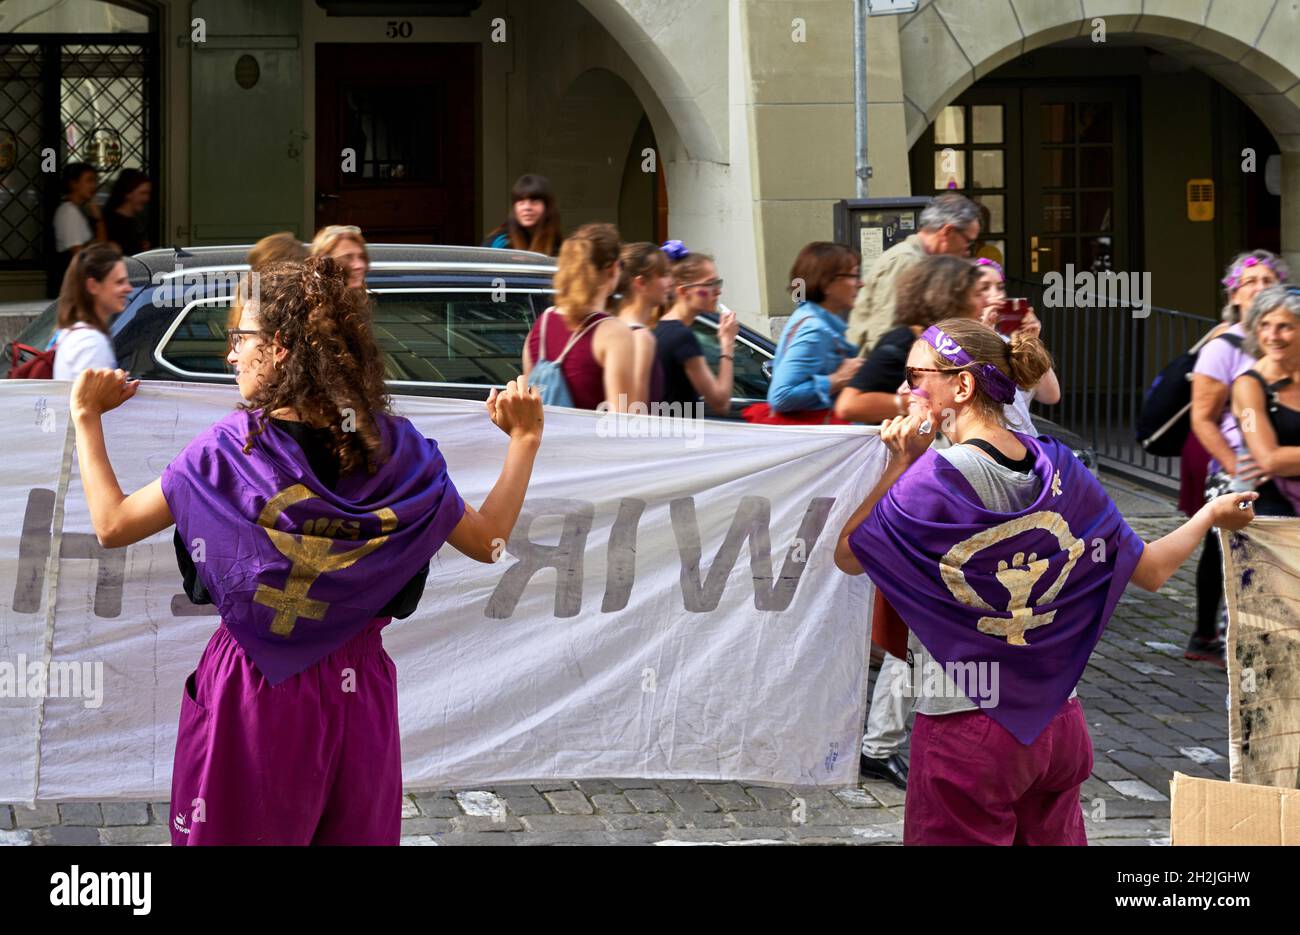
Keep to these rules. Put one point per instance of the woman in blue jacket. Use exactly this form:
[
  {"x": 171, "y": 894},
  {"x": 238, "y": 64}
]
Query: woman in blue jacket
[{"x": 813, "y": 359}]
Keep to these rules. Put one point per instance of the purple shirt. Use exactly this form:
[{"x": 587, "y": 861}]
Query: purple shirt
[{"x": 1220, "y": 361}]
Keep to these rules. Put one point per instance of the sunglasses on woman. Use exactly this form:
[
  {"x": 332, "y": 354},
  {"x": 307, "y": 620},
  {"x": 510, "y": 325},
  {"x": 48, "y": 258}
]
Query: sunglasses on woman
[{"x": 913, "y": 382}]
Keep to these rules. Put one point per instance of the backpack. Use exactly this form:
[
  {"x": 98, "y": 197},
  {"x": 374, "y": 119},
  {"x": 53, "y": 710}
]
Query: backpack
[
  {"x": 546, "y": 374},
  {"x": 1165, "y": 420},
  {"x": 30, "y": 364}
]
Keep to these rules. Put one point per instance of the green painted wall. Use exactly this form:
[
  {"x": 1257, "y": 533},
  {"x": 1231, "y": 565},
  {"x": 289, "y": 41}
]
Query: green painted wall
[{"x": 246, "y": 144}]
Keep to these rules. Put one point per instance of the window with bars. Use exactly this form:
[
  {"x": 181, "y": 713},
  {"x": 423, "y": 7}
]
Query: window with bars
[
  {"x": 22, "y": 188},
  {"x": 85, "y": 99}
]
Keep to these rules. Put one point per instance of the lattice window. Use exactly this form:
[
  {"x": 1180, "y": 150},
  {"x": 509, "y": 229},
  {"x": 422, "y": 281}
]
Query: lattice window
[
  {"x": 100, "y": 92},
  {"x": 103, "y": 108},
  {"x": 22, "y": 220}
]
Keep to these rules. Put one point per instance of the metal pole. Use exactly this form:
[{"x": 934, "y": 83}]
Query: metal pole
[{"x": 861, "y": 169}]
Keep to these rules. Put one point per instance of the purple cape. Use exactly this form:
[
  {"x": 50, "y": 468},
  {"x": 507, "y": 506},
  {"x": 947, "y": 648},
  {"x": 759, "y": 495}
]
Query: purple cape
[
  {"x": 296, "y": 569},
  {"x": 1028, "y": 592}
]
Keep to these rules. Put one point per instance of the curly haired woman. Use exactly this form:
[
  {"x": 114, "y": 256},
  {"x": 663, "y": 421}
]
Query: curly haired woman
[{"x": 319, "y": 511}]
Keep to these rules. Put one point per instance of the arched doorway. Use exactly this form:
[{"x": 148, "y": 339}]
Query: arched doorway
[
  {"x": 1144, "y": 157},
  {"x": 1088, "y": 163},
  {"x": 601, "y": 154},
  {"x": 78, "y": 83}
]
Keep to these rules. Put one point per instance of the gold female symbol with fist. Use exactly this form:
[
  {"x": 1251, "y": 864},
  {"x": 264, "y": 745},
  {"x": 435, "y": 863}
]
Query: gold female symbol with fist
[
  {"x": 1018, "y": 576},
  {"x": 311, "y": 557}
]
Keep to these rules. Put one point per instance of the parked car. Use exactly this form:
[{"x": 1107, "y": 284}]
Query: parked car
[{"x": 451, "y": 320}]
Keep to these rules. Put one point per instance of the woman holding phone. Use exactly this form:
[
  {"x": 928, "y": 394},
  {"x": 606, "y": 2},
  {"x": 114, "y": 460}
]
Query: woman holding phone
[{"x": 1007, "y": 316}]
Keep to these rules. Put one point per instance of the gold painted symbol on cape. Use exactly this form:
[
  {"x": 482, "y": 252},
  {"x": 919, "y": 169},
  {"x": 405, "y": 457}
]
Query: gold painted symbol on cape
[
  {"x": 1018, "y": 575},
  {"x": 311, "y": 557}
]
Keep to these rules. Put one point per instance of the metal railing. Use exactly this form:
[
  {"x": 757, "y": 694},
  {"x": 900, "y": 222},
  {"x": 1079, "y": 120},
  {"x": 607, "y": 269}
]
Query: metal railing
[{"x": 1106, "y": 359}]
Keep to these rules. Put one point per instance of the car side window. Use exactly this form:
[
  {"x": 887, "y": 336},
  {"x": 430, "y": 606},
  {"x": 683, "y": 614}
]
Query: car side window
[
  {"x": 453, "y": 337},
  {"x": 750, "y": 381},
  {"x": 197, "y": 345}
]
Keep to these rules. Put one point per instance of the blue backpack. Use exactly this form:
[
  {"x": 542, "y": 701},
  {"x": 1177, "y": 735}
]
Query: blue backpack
[{"x": 546, "y": 375}]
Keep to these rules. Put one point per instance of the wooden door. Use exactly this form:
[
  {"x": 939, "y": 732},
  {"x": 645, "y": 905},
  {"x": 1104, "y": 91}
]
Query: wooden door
[
  {"x": 396, "y": 144},
  {"x": 1076, "y": 210}
]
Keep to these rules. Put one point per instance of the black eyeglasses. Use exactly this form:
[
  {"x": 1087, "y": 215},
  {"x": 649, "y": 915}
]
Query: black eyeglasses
[
  {"x": 970, "y": 241},
  {"x": 235, "y": 338}
]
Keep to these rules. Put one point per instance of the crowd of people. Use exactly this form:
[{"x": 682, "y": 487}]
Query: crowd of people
[{"x": 923, "y": 346}]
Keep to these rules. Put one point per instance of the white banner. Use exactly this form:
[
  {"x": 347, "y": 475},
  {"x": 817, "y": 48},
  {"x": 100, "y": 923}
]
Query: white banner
[
  {"x": 1261, "y": 574},
  {"x": 669, "y": 606}
]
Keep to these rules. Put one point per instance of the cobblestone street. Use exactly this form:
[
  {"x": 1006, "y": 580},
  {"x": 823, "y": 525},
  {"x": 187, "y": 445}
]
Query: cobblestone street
[{"x": 1150, "y": 713}]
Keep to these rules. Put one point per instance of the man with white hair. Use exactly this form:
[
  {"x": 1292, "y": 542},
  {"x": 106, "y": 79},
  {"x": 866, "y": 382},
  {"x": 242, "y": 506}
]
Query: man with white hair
[{"x": 949, "y": 224}]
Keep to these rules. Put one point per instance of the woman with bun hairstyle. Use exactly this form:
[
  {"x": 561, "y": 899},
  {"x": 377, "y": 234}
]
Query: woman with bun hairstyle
[
  {"x": 1005, "y": 557},
  {"x": 594, "y": 349}
]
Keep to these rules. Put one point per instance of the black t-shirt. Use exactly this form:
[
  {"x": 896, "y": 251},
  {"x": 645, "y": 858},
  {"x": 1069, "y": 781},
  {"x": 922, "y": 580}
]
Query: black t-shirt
[
  {"x": 124, "y": 231},
  {"x": 886, "y": 367},
  {"x": 316, "y": 445},
  {"x": 675, "y": 344}
]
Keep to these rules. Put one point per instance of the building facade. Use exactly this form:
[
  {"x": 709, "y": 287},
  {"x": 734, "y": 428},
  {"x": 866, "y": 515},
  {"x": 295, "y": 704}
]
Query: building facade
[{"x": 1089, "y": 128}]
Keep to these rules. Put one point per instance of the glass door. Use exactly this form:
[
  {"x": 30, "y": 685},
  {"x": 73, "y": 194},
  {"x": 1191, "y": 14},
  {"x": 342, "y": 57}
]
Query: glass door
[
  {"x": 972, "y": 148},
  {"x": 1075, "y": 199}
]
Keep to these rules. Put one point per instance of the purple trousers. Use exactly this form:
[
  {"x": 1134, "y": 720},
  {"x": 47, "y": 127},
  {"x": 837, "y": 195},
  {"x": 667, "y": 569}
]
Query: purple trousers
[
  {"x": 970, "y": 782},
  {"x": 314, "y": 760}
]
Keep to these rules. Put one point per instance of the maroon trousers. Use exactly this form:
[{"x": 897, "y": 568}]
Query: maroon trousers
[{"x": 971, "y": 782}]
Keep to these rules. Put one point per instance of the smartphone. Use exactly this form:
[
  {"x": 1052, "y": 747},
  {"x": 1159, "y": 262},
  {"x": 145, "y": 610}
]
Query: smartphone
[{"x": 1011, "y": 314}]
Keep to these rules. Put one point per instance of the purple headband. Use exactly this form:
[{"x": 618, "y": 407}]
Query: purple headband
[
  {"x": 994, "y": 382},
  {"x": 1233, "y": 279},
  {"x": 675, "y": 249},
  {"x": 985, "y": 261}
]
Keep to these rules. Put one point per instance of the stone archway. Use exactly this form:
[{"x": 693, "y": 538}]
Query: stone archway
[
  {"x": 585, "y": 148},
  {"x": 662, "y": 41},
  {"x": 1253, "y": 50}
]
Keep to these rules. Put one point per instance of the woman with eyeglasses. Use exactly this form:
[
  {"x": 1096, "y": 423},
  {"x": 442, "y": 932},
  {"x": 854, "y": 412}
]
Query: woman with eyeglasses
[
  {"x": 1005, "y": 558},
  {"x": 317, "y": 511},
  {"x": 814, "y": 361},
  {"x": 344, "y": 244},
  {"x": 687, "y": 376}
]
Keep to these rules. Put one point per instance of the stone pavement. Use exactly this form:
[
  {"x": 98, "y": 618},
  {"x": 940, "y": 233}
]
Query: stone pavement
[{"x": 1150, "y": 713}]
